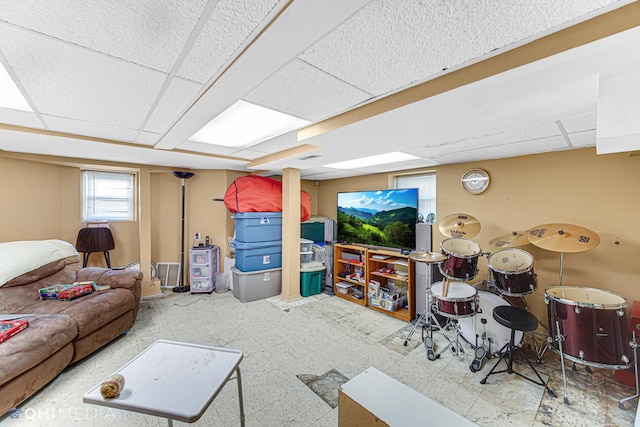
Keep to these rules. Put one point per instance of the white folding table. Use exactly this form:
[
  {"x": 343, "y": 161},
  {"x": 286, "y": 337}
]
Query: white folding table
[{"x": 174, "y": 380}]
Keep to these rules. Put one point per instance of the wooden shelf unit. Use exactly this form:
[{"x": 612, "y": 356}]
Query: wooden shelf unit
[
  {"x": 350, "y": 259},
  {"x": 403, "y": 284},
  {"x": 353, "y": 258}
]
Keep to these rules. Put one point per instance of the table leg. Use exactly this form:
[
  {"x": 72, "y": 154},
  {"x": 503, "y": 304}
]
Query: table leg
[{"x": 239, "y": 379}]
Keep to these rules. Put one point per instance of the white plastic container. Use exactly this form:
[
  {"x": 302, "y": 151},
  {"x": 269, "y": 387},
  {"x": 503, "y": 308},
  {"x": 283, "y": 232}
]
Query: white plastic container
[{"x": 255, "y": 285}]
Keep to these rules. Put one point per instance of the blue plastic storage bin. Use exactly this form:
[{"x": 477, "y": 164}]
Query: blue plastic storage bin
[
  {"x": 258, "y": 256},
  {"x": 258, "y": 226}
]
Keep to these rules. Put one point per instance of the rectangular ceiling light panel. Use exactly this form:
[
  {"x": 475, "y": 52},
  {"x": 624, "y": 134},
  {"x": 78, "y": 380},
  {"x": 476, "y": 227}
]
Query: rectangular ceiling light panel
[
  {"x": 380, "y": 159},
  {"x": 11, "y": 95},
  {"x": 244, "y": 124}
]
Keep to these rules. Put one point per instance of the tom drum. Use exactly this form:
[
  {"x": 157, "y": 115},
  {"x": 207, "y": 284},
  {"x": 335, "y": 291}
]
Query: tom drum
[
  {"x": 513, "y": 272},
  {"x": 593, "y": 323},
  {"x": 462, "y": 259},
  {"x": 460, "y": 300}
]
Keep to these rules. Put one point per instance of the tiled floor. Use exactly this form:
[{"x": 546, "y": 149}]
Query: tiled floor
[{"x": 288, "y": 346}]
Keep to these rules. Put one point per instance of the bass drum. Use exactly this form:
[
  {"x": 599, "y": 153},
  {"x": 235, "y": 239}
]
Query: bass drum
[{"x": 497, "y": 335}]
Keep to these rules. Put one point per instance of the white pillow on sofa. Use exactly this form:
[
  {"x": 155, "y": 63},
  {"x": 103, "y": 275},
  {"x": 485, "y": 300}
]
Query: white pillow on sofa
[{"x": 20, "y": 257}]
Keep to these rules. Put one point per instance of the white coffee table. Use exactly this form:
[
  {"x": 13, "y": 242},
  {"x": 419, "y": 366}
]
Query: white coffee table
[{"x": 174, "y": 380}]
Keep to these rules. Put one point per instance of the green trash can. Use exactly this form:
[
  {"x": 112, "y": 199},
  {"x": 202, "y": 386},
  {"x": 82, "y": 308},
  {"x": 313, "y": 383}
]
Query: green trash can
[{"x": 311, "y": 279}]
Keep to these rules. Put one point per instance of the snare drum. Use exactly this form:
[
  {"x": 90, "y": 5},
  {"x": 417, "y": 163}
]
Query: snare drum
[
  {"x": 496, "y": 334},
  {"x": 513, "y": 272},
  {"x": 593, "y": 323},
  {"x": 460, "y": 300},
  {"x": 462, "y": 259}
]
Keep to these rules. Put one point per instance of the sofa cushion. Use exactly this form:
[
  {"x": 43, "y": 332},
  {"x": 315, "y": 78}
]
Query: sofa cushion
[
  {"x": 90, "y": 312},
  {"x": 20, "y": 298},
  {"x": 45, "y": 335},
  {"x": 28, "y": 256}
]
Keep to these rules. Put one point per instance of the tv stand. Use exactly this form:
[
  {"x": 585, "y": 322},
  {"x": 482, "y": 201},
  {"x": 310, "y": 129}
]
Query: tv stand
[{"x": 378, "y": 278}]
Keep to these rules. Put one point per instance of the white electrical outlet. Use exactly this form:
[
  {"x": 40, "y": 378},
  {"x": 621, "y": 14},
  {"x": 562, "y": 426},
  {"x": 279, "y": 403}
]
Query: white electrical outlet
[{"x": 197, "y": 236}]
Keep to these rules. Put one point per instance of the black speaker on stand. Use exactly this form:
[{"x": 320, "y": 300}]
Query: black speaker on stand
[{"x": 181, "y": 286}]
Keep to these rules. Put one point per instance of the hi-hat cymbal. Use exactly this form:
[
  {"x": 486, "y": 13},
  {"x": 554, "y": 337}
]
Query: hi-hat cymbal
[
  {"x": 515, "y": 238},
  {"x": 563, "y": 237},
  {"x": 459, "y": 225},
  {"x": 427, "y": 257}
]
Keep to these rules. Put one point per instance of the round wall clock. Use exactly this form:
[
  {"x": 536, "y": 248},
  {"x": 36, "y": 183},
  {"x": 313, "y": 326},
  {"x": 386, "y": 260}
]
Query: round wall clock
[{"x": 475, "y": 181}]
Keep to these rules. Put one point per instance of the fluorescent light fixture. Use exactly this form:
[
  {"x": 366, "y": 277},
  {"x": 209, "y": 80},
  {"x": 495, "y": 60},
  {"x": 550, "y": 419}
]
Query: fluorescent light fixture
[
  {"x": 380, "y": 159},
  {"x": 11, "y": 95},
  {"x": 245, "y": 124}
]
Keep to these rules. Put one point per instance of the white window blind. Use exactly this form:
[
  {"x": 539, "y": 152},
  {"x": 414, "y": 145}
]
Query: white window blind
[
  {"x": 107, "y": 196},
  {"x": 426, "y": 185}
]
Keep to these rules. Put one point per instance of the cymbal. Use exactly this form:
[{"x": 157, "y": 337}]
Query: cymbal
[
  {"x": 563, "y": 237},
  {"x": 515, "y": 238},
  {"x": 459, "y": 225},
  {"x": 427, "y": 257}
]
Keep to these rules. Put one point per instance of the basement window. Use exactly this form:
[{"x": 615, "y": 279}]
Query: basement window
[
  {"x": 108, "y": 196},
  {"x": 426, "y": 185}
]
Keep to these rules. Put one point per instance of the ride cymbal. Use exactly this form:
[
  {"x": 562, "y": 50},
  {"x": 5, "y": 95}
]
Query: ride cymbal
[
  {"x": 427, "y": 257},
  {"x": 563, "y": 237},
  {"x": 459, "y": 225},
  {"x": 516, "y": 238}
]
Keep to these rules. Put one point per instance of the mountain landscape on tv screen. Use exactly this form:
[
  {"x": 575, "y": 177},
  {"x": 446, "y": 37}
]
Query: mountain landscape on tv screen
[{"x": 391, "y": 228}]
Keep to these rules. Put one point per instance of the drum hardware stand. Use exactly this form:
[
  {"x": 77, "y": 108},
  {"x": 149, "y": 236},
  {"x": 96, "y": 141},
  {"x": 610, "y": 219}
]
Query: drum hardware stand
[
  {"x": 480, "y": 352},
  {"x": 426, "y": 314},
  {"x": 560, "y": 338},
  {"x": 634, "y": 345}
]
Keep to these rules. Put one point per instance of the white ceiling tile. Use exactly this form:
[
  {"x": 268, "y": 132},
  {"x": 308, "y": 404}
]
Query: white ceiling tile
[
  {"x": 67, "y": 81},
  {"x": 327, "y": 174},
  {"x": 304, "y": 91},
  {"x": 19, "y": 118},
  {"x": 503, "y": 138},
  {"x": 59, "y": 146},
  {"x": 147, "y": 138},
  {"x": 278, "y": 143},
  {"x": 410, "y": 164},
  {"x": 390, "y": 44},
  {"x": 580, "y": 123},
  {"x": 207, "y": 148},
  {"x": 176, "y": 99},
  {"x": 554, "y": 143},
  {"x": 583, "y": 139},
  {"x": 249, "y": 154},
  {"x": 228, "y": 28},
  {"x": 98, "y": 130},
  {"x": 152, "y": 33}
]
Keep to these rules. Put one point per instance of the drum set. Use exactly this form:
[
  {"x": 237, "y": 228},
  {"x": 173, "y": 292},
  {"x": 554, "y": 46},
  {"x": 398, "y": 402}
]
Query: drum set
[{"x": 586, "y": 325}]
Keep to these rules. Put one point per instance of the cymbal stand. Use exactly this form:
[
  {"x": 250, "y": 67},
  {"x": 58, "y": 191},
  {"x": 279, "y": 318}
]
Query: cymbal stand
[
  {"x": 634, "y": 345},
  {"x": 426, "y": 314},
  {"x": 559, "y": 338},
  {"x": 561, "y": 262}
]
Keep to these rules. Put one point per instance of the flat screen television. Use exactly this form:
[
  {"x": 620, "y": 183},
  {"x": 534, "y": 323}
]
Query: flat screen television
[{"x": 384, "y": 218}]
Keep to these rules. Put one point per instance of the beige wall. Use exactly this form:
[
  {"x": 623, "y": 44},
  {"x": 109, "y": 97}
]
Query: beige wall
[{"x": 575, "y": 187}]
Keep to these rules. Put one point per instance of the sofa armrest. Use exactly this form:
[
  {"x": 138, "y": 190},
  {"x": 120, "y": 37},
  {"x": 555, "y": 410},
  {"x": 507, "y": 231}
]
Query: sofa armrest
[{"x": 127, "y": 278}]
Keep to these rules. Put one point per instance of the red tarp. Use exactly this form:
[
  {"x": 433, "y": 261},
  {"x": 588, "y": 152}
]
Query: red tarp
[{"x": 254, "y": 193}]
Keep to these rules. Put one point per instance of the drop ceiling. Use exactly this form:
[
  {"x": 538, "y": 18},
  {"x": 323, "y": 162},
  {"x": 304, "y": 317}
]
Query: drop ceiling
[{"x": 132, "y": 80}]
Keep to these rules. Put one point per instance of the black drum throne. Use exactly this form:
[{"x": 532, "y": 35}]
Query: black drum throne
[{"x": 515, "y": 319}]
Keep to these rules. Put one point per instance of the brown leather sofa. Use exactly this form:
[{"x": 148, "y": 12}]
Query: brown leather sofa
[{"x": 60, "y": 333}]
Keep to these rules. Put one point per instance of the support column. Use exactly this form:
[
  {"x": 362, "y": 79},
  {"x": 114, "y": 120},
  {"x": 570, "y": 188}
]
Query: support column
[
  {"x": 150, "y": 287},
  {"x": 291, "y": 234}
]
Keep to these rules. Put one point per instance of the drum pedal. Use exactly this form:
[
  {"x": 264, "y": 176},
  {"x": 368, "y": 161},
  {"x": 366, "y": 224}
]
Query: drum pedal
[
  {"x": 477, "y": 361},
  {"x": 428, "y": 343}
]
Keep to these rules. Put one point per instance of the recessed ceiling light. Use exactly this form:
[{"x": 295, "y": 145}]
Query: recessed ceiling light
[
  {"x": 11, "y": 95},
  {"x": 244, "y": 124},
  {"x": 380, "y": 159}
]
